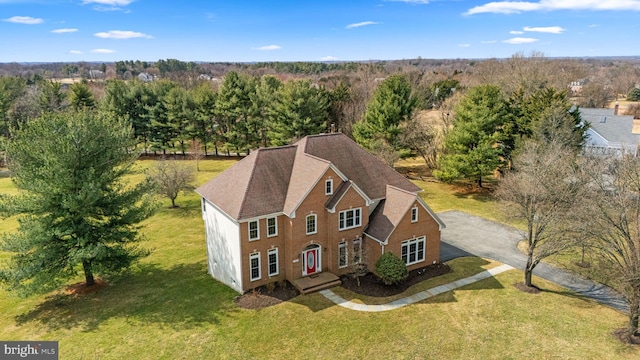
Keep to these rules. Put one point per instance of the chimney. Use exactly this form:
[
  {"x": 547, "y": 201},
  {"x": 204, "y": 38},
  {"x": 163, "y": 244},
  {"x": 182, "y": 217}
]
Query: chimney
[
  {"x": 615, "y": 109},
  {"x": 333, "y": 128}
]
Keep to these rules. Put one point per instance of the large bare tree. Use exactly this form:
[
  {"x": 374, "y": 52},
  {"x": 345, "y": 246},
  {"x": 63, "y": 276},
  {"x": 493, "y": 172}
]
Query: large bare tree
[
  {"x": 541, "y": 191},
  {"x": 612, "y": 210}
]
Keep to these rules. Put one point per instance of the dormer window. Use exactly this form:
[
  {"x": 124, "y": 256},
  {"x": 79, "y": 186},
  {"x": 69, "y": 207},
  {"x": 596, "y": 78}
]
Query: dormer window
[{"x": 328, "y": 187}]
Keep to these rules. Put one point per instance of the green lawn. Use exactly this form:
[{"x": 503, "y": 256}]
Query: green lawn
[{"x": 169, "y": 308}]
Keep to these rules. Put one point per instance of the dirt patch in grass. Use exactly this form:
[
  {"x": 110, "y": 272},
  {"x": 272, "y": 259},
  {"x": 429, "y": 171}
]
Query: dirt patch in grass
[
  {"x": 264, "y": 296},
  {"x": 371, "y": 285},
  {"x": 528, "y": 289},
  {"x": 81, "y": 288}
]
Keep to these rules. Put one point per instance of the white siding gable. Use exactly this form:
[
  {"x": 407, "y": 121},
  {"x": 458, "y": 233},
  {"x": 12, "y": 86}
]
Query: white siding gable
[{"x": 223, "y": 246}]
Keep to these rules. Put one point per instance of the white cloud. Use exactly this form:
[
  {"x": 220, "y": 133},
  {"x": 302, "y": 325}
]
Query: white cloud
[
  {"x": 488, "y": 42},
  {"x": 364, "y": 23},
  {"x": 516, "y": 7},
  {"x": 519, "y": 40},
  {"x": 464, "y": 45},
  {"x": 594, "y": 25},
  {"x": 516, "y": 32},
  {"x": 548, "y": 29},
  {"x": 121, "y": 35},
  {"x": 63, "y": 31},
  {"x": 75, "y": 52},
  {"x": 268, "y": 48},
  {"x": 103, "y": 51},
  {"x": 329, "y": 58},
  {"x": 109, "y": 2},
  {"x": 27, "y": 20}
]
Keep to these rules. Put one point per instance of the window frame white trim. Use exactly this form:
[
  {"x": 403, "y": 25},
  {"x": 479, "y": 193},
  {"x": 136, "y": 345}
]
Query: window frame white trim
[
  {"x": 343, "y": 245},
  {"x": 255, "y": 255},
  {"x": 315, "y": 224},
  {"x": 416, "y": 241},
  {"x": 269, "y": 253},
  {"x": 257, "y": 222},
  {"x": 357, "y": 253},
  {"x": 342, "y": 222},
  {"x": 414, "y": 211},
  {"x": 328, "y": 185},
  {"x": 275, "y": 223}
]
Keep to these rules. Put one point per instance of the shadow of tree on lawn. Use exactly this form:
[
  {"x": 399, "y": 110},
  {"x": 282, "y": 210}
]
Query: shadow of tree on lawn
[{"x": 180, "y": 297}]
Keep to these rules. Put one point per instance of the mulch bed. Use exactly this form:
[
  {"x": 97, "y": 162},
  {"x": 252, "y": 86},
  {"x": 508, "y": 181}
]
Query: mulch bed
[
  {"x": 371, "y": 285},
  {"x": 528, "y": 289},
  {"x": 262, "y": 297},
  {"x": 623, "y": 336}
]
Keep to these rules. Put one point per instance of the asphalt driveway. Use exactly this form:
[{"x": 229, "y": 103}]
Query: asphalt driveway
[{"x": 467, "y": 234}]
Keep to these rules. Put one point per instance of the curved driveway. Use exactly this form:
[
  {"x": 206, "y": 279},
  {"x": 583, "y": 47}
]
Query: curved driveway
[{"x": 467, "y": 234}]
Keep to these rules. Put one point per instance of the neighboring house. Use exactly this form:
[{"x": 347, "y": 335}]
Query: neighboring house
[
  {"x": 145, "y": 77},
  {"x": 310, "y": 210},
  {"x": 576, "y": 86},
  {"x": 609, "y": 133},
  {"x": 96, "y": 74}
]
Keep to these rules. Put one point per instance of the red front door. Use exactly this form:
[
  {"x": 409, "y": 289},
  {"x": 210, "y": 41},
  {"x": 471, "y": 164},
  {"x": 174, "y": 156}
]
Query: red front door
[{"x": 311, "y": 261}]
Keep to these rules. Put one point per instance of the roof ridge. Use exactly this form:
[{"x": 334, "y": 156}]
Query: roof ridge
[
  {"x": 317, "y": 158},
  {"x": 402, "y": 190},
  {"x": 246, "y": 190},
  {"x": 275, "y": 147}
]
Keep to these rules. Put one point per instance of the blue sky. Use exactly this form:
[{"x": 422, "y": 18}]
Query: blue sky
[{"x": 276, "y": 30}]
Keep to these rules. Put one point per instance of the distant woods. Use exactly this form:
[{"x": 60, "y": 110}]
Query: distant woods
[{"x": 236, "y": 107}]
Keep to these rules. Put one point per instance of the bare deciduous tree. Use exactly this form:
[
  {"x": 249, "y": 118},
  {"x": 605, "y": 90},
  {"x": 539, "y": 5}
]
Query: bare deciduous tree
[
  {"x": 541, "y": 191},
  {"x": 612, "y": 210},
  {"x": 196, "y": 153},
  {"x": 171, "y": 178}
]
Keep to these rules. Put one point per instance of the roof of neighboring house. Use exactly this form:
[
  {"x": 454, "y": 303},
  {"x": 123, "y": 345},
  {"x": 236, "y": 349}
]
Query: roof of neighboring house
[
  {"x": 273, "y": 180},
  {"x": 616, "y": 129}
]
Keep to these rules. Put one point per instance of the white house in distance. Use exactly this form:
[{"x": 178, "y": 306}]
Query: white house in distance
[{"x": 609, "y": 133}]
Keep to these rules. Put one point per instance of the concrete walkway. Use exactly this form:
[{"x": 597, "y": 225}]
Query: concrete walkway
[{"x": 423, "y": 295}]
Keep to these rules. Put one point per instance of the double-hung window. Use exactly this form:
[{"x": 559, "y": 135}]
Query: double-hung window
[
  {"x": 272, "y": 227},
  {"x": 413, "y": 250},
  {"x": 414, "y": 214},
  {"x": 350, "y": 219},
  {"x": 357, "y": 251},
  {"x": 328, "y": 187},
  {"x": 312, "y": 227},
  {"x": 272, "y": 256},
  {"x": 254, "y": 230},
  {"x": 342, "y": 255},
  {"x": 254, "y": 262}
]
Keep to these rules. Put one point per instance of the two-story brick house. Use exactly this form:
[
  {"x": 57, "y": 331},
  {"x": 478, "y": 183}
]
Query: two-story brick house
[{"x": 312, "y": 207}]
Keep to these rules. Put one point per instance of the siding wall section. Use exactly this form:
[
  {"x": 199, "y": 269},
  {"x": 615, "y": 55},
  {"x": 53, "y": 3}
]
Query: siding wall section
[{"x": 223, "y": 247}]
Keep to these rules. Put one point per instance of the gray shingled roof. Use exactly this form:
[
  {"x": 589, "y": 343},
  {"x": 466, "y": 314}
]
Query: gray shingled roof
[
  {"x": 616, "y": 129},
  {"x": 368, "y": 172},
  {"x": 389, "y": 213},
  {"x": 275, "y": 180},
  {"x": 256, "y": 185}
]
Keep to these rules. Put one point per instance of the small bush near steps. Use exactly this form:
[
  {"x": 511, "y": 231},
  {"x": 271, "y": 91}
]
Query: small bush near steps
[{"x": 391, "y": 269}]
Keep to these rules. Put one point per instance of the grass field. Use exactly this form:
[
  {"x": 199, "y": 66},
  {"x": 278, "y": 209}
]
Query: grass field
[{"x": 167, "y": 307}]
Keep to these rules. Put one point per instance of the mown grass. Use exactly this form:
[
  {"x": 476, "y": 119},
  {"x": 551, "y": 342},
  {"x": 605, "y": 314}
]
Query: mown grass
[{"x": 167, "y": 307}]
